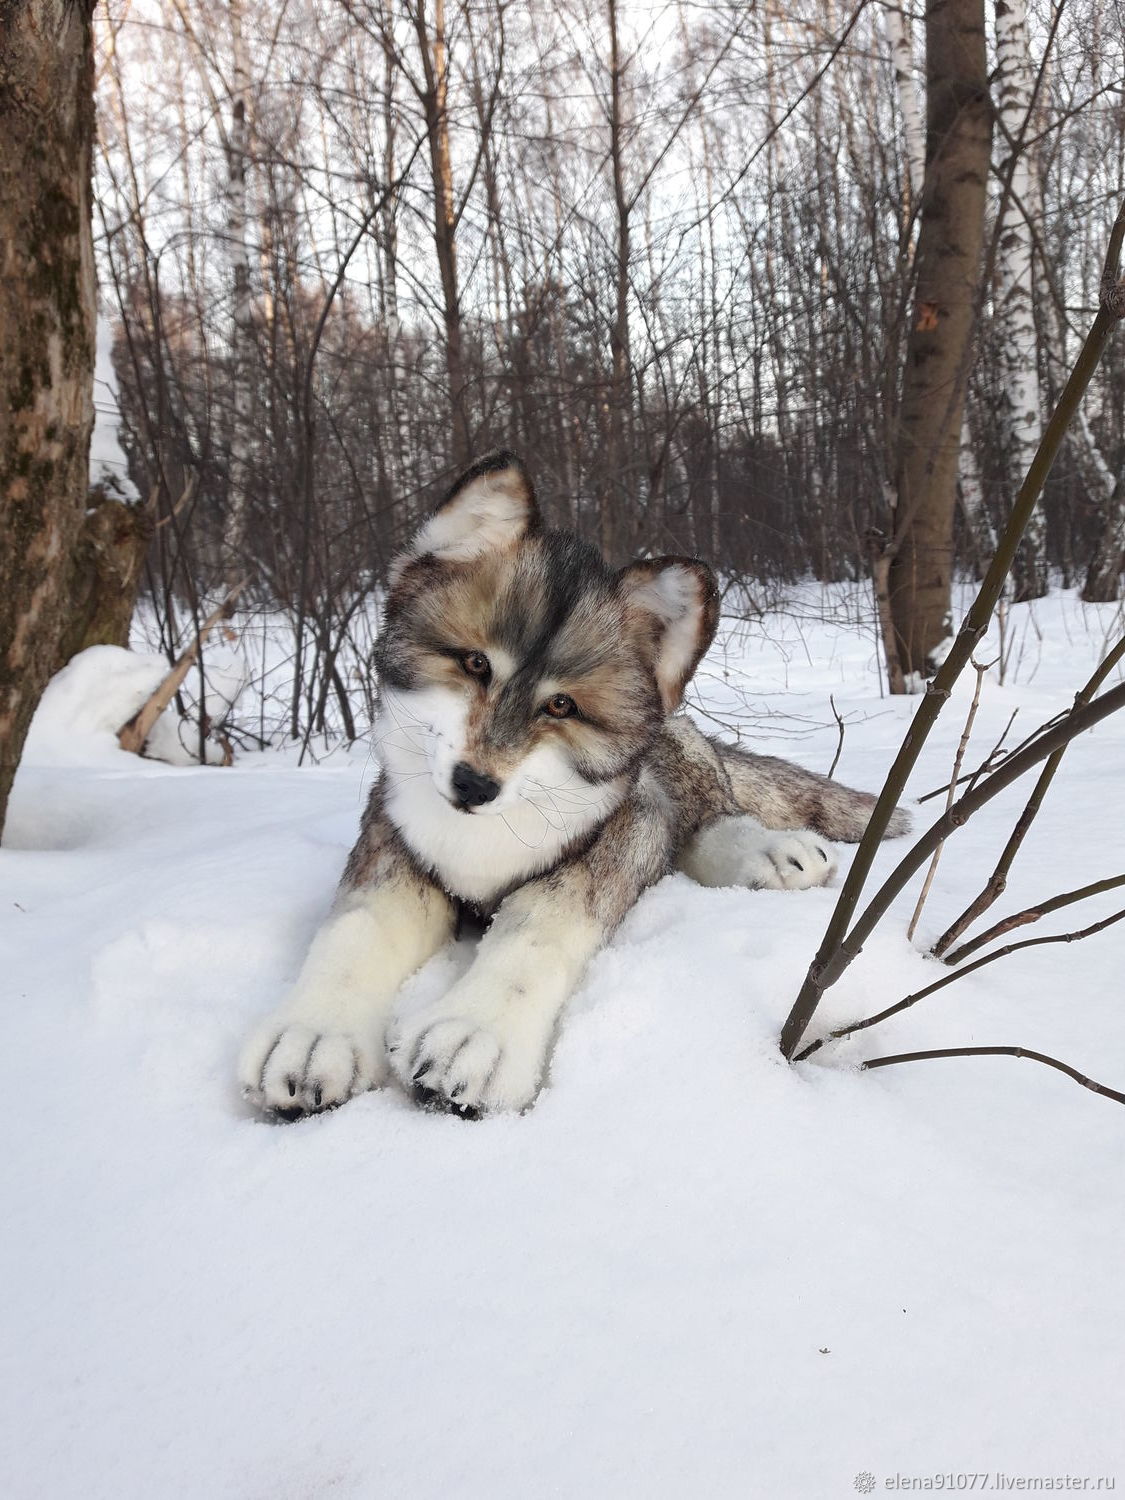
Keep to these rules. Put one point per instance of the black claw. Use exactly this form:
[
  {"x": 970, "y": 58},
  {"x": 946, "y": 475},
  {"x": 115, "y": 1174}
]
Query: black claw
[
  {"x": 317, "y": 1096},
  {"x": 797, "y": 864},
  {"x": 439, "y": 1103},
  {"x": 822, "y": 854},
  {"x": 292, "y": 1085},
  {"x": 457, "y": 1090},
  {"x": 420, "y": 1071}
]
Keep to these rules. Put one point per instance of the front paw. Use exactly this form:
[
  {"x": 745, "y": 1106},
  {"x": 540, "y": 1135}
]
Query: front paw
[
  {"x": 465, "y": 1064},
  {"x": 292, "y": 1069}
]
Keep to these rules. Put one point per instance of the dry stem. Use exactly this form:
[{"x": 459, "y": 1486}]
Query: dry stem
[{"x": 132, "y": 736}]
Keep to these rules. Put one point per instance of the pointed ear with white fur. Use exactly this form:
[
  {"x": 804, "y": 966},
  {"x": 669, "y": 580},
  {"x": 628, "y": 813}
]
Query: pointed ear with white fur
[
  {"x": 489, "y": 509},
  {"x": 676, "y": 602}
]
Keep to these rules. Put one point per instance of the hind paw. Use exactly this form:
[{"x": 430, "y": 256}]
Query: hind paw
[
  {"x": 793, "y": 862},
  {"x": 736, "y": 850}
]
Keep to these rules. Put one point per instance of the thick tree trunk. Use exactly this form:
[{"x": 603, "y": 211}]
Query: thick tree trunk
[
  {"x": 105, "y": 574},
  {"x": 959, "y": 130},
  {"x": 47, "y": 292}
]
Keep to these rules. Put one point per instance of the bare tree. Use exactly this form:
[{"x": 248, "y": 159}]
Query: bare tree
[
  {"x": 47, "y": 318},
  {"x": 950, "y": 240},
  {"x": 672, "y": 255}
]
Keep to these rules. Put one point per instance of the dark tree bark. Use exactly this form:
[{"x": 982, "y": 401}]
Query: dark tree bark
[
  {"x": 1103, "y": 578},
  {"x": 950, "y": 239},
  {"x": 105, "y": 575},
  {"x": 47, "y": 315}
]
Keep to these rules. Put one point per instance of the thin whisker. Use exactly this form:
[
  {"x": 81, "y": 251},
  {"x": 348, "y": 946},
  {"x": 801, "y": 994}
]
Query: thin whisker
[
  {"x": 409, "y": 749},
  {"x": 515, "y": 835},
  {"x": 557, "y": 827},
  {"x": 575, "y": 797},
  {"x": 390, "y": 699}
]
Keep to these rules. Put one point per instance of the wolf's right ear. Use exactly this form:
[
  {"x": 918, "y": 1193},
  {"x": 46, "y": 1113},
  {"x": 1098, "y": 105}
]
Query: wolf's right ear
[
  {"x": 676, "y": 601},
  {"x": 489, "y": 509}
]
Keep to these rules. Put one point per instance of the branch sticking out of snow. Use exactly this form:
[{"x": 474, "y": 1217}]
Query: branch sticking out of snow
[{"x": 132, "y": 735}]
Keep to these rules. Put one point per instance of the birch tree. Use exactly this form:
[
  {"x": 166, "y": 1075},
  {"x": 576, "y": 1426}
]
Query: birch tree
[
  {"x": 242, "y": 403},
  {"x": 950, "y": 240},
  {"x": 897, "y": 28},
  {"x": 1020, "y": 213}
]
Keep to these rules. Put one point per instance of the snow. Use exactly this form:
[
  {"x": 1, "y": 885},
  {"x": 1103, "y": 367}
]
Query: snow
[
  {"x": 108, "y": 465},
  {"x": 690, "y": 1270},
  {"x": 101, "y": 688}
]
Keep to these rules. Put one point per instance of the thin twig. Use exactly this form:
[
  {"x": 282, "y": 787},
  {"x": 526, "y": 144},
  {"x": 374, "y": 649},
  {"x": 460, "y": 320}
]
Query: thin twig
[
  {"x": 958, "y": 760},
  {"x": 997, "y": 882},
  {"x": 947, "y": 979},
  {"x": 840, "y": 738},
  {"x": 1040, "y": 1057},
  {"x": 1032, "y": 914},
  {"x": 986, "y": 764}
]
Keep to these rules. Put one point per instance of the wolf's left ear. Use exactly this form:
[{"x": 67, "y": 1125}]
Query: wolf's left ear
[
  {"x": 676, "y": 601},
  {"x": 489, "y": 509}
]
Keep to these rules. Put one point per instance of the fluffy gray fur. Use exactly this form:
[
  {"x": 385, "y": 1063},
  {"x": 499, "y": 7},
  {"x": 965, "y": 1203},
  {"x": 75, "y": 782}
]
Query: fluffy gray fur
[{"x": 515, "y": 655}]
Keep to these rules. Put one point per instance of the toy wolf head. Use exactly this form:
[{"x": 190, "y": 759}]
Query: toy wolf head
[{"x": 517, "y": 668}]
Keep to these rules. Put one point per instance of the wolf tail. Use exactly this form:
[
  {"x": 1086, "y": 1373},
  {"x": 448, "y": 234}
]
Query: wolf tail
[{"x": 781, "y": 796}]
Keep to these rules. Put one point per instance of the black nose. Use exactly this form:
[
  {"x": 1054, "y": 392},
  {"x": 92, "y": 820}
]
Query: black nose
[{"x": 470, "y": 787}]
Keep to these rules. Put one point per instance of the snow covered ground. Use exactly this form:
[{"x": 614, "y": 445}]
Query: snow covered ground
[{"x": 690, "y": 1271}]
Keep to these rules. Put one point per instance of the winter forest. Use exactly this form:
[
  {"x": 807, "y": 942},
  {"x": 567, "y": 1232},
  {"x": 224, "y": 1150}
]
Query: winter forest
[
  {"x": 815, "y": 1186},
  {"x": 667, "y": 252}
]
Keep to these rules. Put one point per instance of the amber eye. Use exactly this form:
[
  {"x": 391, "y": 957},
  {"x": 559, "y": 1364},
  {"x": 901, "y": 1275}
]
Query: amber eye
[
  {"x": 560, "y": 706},
  {"x": 476, "y": 664}
]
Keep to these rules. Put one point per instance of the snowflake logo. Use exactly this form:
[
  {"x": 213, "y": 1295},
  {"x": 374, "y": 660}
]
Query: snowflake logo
[{"x": 864, "y": 1482}]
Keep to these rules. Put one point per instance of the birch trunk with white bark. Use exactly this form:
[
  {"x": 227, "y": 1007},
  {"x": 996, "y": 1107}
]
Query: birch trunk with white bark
[
  {"x": 1015, "y": 306},
  {"x": 234, "y": 541},
  {"x": 897, "y": 27}
]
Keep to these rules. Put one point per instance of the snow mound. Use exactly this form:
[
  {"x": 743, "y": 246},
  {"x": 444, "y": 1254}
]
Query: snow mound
[
  {"x": 108, "y": 464},
  {"x": 101, "y": 689},
  {"x": 86, "y": 703}
]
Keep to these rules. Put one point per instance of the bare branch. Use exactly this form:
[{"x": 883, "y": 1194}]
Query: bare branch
[
  {"x": 998, "y": 880},
  {"x": 838, "y": 946},
  {"x": 133, "y": 734},
  {"x": 1040, "y": 1057},
  {"x": 1032, "y": 914},
  {"x": 957, "y": 761}
]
